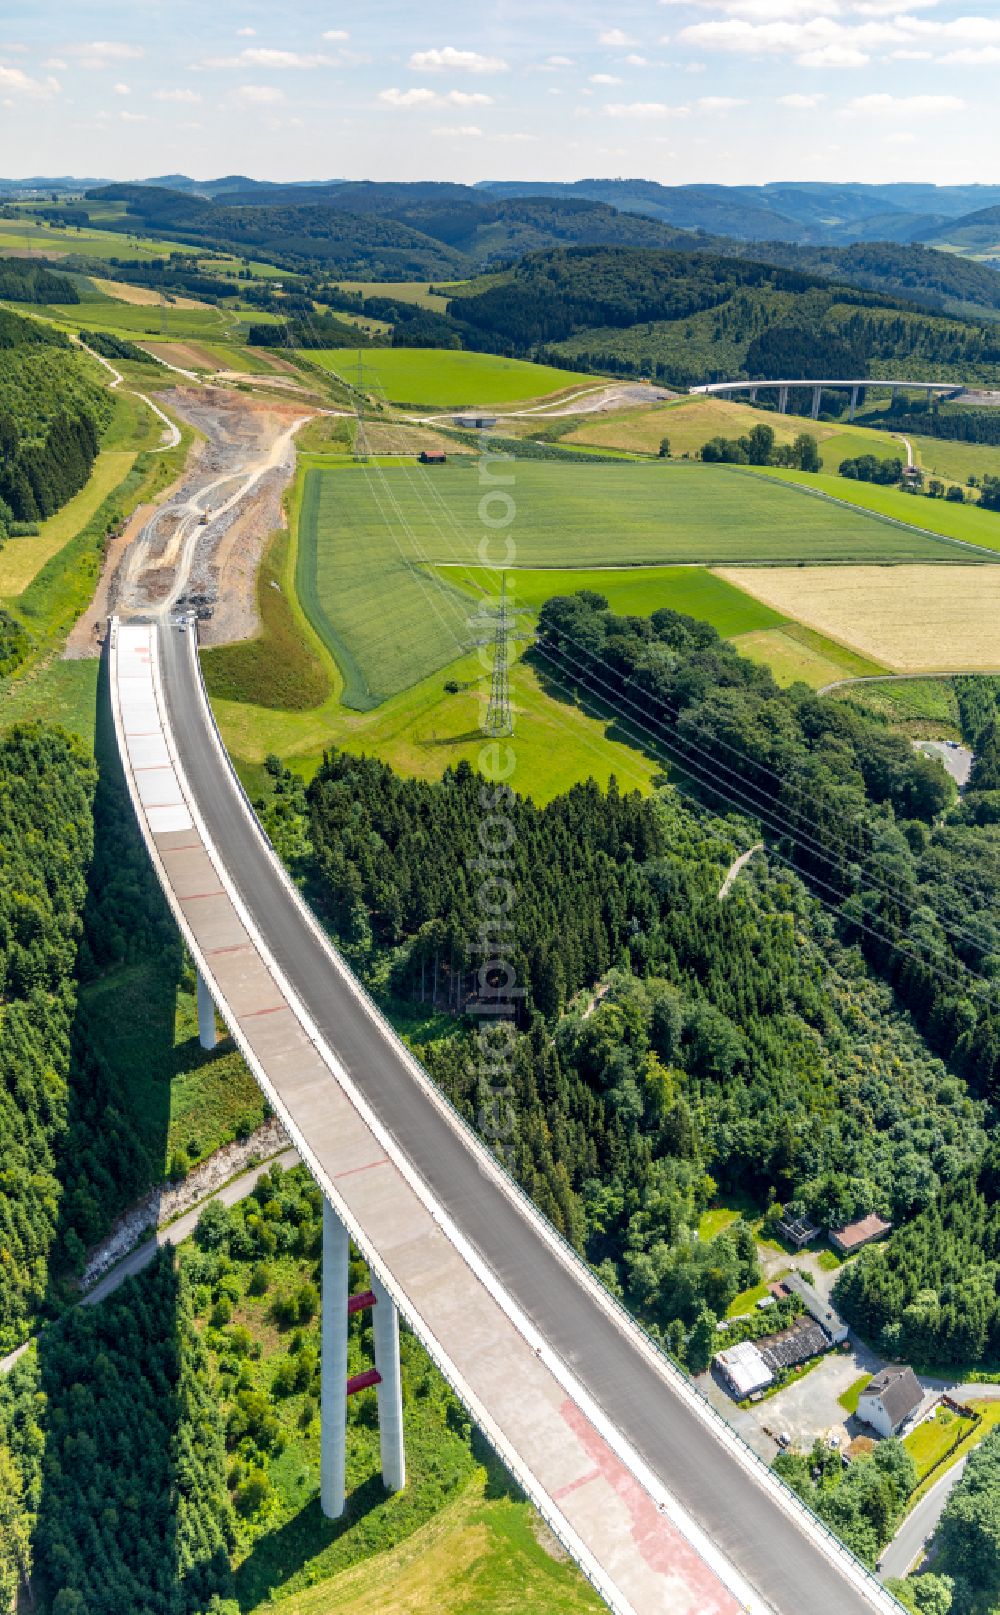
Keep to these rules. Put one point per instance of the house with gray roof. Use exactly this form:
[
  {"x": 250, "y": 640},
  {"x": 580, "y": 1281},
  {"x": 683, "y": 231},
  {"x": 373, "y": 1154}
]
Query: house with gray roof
[{"x": 889, "y": 1399}]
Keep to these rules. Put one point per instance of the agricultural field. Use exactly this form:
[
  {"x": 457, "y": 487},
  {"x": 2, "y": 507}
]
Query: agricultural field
[
  {"x": 956, "y": 461},
  {"x": 143, "y": 296},
  {"x": 22, "y": 558},
  {"x": 910, "y": 619},
  {"x": 962, "y": 522},
  {"x": 440, "y": 378},
  {"x": 692, "y": 421},
  {"x": 138, "y": 321},
  {"x": 35, "y": 236},
  {"x": 389, "y": 621},
  {"x": 798, "y": 655},
  {"x": 637, "y": 591},
  {"x": 402, "y": 291}
]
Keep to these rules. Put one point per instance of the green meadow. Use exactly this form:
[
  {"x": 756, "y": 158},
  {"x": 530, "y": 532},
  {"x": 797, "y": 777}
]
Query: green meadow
[{"x": 441, "y": 378}]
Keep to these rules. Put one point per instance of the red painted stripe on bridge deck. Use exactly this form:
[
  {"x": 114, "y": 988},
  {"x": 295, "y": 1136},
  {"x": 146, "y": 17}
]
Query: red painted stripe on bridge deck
[
  {"x": 352, "y": 1170},
  {"x": 196, "y": 897},
  {"x": 272, "y": 1009},
  {"x": 574, "y": 1485},
  {"x": 659, "y": 1542}
]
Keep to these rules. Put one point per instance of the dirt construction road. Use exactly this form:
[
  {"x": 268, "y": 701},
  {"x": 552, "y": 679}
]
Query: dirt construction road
[{"x": 170, "y": 555}]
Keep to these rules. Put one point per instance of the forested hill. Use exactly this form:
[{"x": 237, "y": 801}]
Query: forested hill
[
  {"x": 52, "y": 408},
  {"x": 389, "y": 231},
  {"x": 688, "y": 318}
]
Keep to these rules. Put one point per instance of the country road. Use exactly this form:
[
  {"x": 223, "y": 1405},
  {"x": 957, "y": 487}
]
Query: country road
[
  {"x": 919, "y": 1526},
  {"x": 230, "y": 1193}
]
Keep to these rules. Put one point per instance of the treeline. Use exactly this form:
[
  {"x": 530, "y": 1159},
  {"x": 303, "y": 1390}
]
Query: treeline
[
  {"x": 961, "y": 424},
  {"x": 967, "y": 1541},
  {"x": 758, "y": 447},
  {"x": 24, "y": 281},
  {"x": 846, "y": 800},
  {"x": 115, "y": 1460},
  {"x": 37, "y": 478},
  {"x": 932, "y": 1292},
  {"x": 112, "y": 346},
  {"x": 864, "y": 1503}
]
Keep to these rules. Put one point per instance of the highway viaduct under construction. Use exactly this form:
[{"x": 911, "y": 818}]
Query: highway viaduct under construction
[
  {"x": 660, "y": 1503},
  {"x": 727, "y": 389}
]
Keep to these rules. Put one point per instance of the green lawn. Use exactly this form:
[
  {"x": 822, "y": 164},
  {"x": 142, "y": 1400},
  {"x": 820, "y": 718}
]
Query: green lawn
[
  {"x": 715, "y": 1221},
  {"x": 931, "y": 1440},
  {"x": 23, "y": 558},
  {"x": 849, "y": 1399},
  {"x": 136, "y": 320},
  {"x": 637, "y": 591},
  {"x": 442, "y": 378},
  {"x": 747, "y": 1300},
  {"x": 963, "y": 522}
]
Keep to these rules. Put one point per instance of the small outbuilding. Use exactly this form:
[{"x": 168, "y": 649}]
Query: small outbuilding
[
  {"x": 432, "y": 457},
  {"x": 743, "y": 1369},
  {"x": 797, "y": 1231},
  {"x": 854, "y": 1235},
  {"x": 889, "y": 1399}
]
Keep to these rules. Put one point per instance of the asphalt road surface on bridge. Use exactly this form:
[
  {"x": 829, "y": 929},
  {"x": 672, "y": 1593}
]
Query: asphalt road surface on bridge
[{"x": 776, "y": 1555}]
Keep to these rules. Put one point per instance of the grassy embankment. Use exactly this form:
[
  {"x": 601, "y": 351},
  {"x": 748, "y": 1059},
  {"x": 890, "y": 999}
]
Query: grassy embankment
[{"x": 963, "y": 522}]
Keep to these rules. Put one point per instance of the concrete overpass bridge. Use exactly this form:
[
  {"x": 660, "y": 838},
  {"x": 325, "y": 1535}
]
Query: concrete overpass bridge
[
  {"x": 658, "y": 1501},
  {"x": 726, "y": 389}
]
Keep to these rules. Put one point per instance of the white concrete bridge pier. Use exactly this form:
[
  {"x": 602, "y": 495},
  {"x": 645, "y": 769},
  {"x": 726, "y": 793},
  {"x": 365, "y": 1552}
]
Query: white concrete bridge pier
[
  {"x": 207, "y": 1034},
  {"x": 335, "y": 1384}
]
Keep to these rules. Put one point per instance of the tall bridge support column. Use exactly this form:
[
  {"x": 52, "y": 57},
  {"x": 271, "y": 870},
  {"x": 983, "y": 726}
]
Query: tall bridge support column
[
  {"x": 817, "y": 400},
  {"x": 385, "y": 1325},
  {"x": 782, "y": 400},
  {"x": 206, "y": 1015},
  {"x": 333, "y": 1367},
  {"x": 753, "y": 395},
  {"x": 854, "y": 402}
]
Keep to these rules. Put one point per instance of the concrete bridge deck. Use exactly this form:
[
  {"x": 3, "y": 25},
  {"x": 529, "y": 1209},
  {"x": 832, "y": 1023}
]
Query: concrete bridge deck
[{"x": 655, "y": 1498}]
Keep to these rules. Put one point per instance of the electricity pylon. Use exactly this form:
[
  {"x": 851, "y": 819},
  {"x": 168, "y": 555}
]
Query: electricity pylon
[{"x": 499, "y": 718}]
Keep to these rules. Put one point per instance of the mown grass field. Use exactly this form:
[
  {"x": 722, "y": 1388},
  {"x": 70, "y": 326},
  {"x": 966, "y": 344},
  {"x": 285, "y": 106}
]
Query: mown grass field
[
  {"x": 477, "y": 1554},
  {"x": 690, "y": 423},
  {"x": 390, "y": 621},
  {"x": 956, "y": 461},
  {"x": 637, "y": 591},
  {"x": 964, "y": 522},
  {"x": 401, "y": 291},
  {"x": 797, "y": 654},
  {"x": 912, "y": 619},
  {"x": 441, "y": 378},
  {"x": 930, "y": 1441},
  {"x": 139, "y": 321}
]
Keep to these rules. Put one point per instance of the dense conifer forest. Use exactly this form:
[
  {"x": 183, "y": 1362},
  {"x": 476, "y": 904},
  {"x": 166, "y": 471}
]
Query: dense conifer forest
[{"x": 52, "y": 410}]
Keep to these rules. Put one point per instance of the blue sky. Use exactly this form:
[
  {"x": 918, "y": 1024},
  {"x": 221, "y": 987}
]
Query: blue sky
[{"x": 734, "y": 91}]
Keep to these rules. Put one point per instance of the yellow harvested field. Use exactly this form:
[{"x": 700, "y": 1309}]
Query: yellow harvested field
[
  {"x": 912, "y": 619},
  {"x": 23, "y": 558},
  {"x": 143, "y": 296}
]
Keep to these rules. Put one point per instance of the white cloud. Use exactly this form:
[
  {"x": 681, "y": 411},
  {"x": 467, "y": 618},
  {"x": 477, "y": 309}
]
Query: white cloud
[
  {"x": 559, "y": 61},
  {"x": 419, "y": 97},
  {"x": 603, "y": 78},
  {"x": 133, "y": 117},
  {"x": 800, "y": 103},
  {"x": 57, "y": 62},
  {"x": 516, "y": 137},
  {"x": 459, "y": 61},
  {"x": 905, "y": 106},
  {"x": 263, "y": 56},
  {"x": 969, "y": 56},
  {"x": 336, "y": 35},
  {"x": 912, "y": 55},
  {"x": 245, "y": 33},
  {"x": 615, "y": 36},
  {"x": 647, "y": 110},
  {"x": 122, "y": 89},
  {"x": 15, "y": 82},
  {"x": 844, "y": 36},
  {"x": 719, "y": 103},
  {"x": 408, "y": 98},
  {"x": 636, "y": 61},
  {"x": 258, "y": 95},
  {"x": 465, "y": 131},
  {"x": 833, "y": 55},
  {"x": 189, "y": 97},
  {"x": 102, "y": 52}
]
